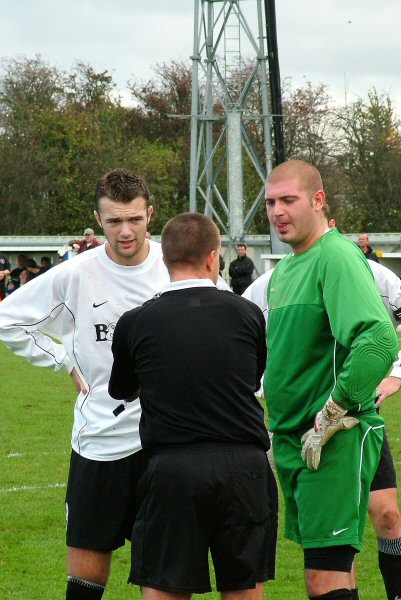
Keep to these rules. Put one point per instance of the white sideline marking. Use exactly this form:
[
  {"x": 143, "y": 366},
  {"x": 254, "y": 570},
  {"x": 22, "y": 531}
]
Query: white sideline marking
[
  {"x": 18, "y": 454},
  {"x": 28, "y": 488}
]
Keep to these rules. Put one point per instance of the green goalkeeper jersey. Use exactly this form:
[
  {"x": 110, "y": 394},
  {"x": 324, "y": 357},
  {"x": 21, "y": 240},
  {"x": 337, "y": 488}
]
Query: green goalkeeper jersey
[{"x": 328, "y": 333}]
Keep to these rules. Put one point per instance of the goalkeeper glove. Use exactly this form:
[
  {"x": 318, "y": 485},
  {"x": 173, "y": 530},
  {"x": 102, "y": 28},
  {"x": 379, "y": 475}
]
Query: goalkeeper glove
[{"x": 327, "y": 422}]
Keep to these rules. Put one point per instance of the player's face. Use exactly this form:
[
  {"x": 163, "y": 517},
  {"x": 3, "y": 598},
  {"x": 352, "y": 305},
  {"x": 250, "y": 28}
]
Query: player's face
[
  {"x": 124, "y": 225},
  {"x": 291, "y": 210}
]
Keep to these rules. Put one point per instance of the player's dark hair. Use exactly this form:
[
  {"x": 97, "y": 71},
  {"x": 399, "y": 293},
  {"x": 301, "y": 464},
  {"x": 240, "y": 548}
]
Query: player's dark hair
[
  {"x": 121, "y": 185},
  {"x": 188, "y": 238}
]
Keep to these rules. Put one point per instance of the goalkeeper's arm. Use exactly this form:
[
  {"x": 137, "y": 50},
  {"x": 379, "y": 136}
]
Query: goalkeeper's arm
[{"x": 328, "y": 421}]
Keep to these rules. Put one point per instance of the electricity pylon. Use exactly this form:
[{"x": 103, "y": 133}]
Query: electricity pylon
[{"x": 224, "y": 112}]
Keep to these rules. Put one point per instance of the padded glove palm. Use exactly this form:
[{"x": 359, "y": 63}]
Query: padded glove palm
[{"x": 327, "y": 422}]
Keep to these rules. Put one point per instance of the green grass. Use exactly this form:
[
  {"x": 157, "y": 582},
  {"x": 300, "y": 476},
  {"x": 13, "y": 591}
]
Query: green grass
[{"x": 36, "y": 417}]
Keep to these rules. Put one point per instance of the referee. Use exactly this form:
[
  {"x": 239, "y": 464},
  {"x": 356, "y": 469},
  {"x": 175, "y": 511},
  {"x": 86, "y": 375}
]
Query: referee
[{"x": 196, "y": 355}]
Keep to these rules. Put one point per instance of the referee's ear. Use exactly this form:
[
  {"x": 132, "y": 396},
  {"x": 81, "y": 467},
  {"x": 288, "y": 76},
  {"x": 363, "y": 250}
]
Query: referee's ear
[{"x": 213, "y": 264}]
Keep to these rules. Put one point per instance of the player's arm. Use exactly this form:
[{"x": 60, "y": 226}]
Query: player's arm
[
  {"x": 257, "y": 293},
  {"x": 123, "y": 384},
  {"x": 79, "y": 384},
  {"x": 391, "y": 384},
  {"x": 389, "y": 285},
  {"x": 26, "y": 314},
  {"x": 361, "y": 325}
]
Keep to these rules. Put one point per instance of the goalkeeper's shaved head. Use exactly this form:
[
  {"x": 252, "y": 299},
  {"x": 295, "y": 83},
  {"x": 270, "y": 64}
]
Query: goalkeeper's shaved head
[{"x": 306, "y": 174}]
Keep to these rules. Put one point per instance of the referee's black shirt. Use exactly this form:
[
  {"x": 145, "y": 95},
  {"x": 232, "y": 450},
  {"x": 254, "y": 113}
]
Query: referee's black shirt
[{"x": 197, "y": 355}]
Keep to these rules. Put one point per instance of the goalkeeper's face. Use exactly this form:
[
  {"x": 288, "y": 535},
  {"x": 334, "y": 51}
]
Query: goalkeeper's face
[{"x": 295, "y": 212}]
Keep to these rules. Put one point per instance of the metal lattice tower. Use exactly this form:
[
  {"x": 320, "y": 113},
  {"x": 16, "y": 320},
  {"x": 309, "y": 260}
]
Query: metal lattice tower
[{"x": 222, "y": 85}]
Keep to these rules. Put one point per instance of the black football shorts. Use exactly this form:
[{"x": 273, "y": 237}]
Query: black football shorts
[
  {"x": 193, "y": 499},
  {"x": 101, "y": 501}
]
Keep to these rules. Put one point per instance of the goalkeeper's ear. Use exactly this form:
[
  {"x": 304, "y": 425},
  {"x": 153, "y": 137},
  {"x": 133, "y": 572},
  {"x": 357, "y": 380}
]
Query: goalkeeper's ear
[{"x": 319, "y": 200}]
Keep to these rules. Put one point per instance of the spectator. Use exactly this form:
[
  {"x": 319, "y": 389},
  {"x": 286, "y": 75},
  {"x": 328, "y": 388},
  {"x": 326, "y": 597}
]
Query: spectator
[
  {"x": 86, "y": 244},
  {"x": 32, "y": 270},
  {"x": 4, "y": 272},
  {"x": 363, "y": 243},
  {"x": 16, "y": 273},
  {"x": 10, "y": 287},
  {"x": 45, "y": 264},
  {"x": 240, "y": 270}
]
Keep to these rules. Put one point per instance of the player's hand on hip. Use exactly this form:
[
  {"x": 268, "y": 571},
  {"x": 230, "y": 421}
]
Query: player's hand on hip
[
  {"x": 328, "y": 421},
  {"x": 389, "y": 386},
  {"x": 80, "y": 386}
]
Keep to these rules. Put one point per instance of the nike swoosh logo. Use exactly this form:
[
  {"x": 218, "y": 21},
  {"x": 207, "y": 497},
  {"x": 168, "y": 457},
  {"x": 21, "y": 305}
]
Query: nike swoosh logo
[
  {"x": 101, "y": 304},
  {"x": 337, "y": 531}
]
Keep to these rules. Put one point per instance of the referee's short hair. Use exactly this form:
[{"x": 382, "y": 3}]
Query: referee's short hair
[{"x": 188, "y": 239}]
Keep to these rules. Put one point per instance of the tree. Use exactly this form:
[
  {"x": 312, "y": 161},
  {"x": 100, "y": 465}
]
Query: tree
[
  {"x": 59, "y": 133},
  {"x": 371, "y": 159},
  {"x": 162, "y": 114}
]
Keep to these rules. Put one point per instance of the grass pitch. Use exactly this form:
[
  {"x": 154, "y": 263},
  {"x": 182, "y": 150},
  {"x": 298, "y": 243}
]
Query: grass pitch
[{"x": 36, "y": 418}]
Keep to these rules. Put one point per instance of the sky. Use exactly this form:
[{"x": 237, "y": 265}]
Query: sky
[{"x": 349, "y": 45}]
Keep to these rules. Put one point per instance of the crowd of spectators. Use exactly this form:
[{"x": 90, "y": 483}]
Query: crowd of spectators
[{"x": 26, "y": 270}]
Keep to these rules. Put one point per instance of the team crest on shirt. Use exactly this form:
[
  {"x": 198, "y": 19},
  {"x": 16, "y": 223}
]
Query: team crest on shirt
[
  {"x": 104, "y": 331},
  {"x": 105, "y": 316}
]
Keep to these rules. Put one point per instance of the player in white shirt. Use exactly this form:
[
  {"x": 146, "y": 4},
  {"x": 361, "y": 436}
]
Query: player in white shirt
[
  {"x": 79, "y": 302},
  {"x": 383, "y": 504}
]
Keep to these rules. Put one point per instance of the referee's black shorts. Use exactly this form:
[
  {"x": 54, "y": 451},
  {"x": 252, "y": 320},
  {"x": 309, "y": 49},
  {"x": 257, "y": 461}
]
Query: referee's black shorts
[
  {"x": 385, "y": 476},
  {"x": 101, "y": 501},
  {"x": 195, "y": 498}
]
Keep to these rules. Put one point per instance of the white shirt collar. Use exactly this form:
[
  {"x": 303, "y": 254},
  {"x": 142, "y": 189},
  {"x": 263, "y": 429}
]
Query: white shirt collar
[{"x": 186, "y": 284}]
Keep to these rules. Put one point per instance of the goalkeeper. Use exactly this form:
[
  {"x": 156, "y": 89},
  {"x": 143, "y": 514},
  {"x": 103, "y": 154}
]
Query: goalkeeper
[{"x": 330, "y": 344}]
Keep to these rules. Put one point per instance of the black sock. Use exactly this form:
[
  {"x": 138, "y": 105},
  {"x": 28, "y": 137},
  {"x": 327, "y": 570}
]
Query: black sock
[
  {"x": 80, "y": 589},
  {"x": 355, "y": 594},
  {"x": 390, "y": 566},
  {"x": 341, "y": 594}
]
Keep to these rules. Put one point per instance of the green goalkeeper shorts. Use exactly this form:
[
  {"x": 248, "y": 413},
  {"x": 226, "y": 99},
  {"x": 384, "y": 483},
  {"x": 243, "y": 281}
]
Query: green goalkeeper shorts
[{"x": 328, "y": 507}]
